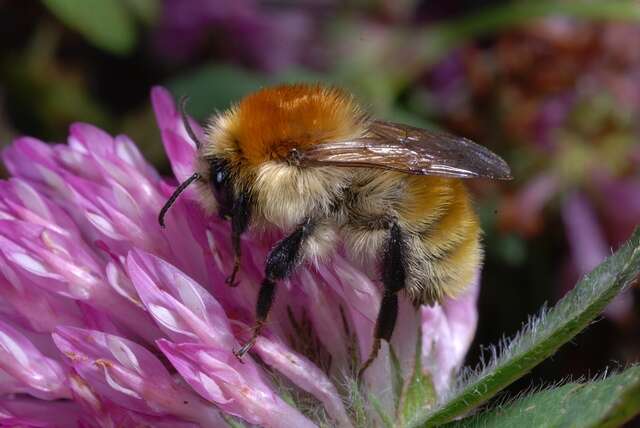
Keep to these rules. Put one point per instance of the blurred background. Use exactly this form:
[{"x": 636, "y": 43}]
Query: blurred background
[{"x": 552, "y": 86}]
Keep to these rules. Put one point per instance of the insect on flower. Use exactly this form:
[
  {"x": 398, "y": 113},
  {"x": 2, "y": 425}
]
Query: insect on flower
[{"x": 307, "y": 160}]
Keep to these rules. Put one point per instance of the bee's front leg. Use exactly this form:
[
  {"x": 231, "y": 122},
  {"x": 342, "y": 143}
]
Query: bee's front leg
[
  {"x": 393, "y": 279},
  {"x": 240, "y": 217},
  {"x": 280, "y": 264}
]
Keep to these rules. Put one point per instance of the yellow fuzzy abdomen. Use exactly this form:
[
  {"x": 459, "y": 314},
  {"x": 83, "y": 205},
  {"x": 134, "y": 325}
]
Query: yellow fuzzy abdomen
[{"x": 443, "y": 232}]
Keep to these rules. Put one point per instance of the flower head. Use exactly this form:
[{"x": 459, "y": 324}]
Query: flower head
[{"x": 134, "y": 325}]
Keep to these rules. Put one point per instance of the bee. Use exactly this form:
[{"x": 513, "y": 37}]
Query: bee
[{"x": 309, "y": 161}]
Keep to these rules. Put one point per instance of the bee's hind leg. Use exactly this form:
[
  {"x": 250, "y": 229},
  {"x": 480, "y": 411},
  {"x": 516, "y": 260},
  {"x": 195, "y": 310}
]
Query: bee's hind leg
[
  {"x": 393, "y": 279},
  {"x": 280, "y": 264}
]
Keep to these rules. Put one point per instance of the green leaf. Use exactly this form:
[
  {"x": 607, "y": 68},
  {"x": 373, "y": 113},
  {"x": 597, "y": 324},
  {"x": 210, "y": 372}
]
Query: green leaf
[
  {"x": 377, "y": 406},
  {"x": 541, "y": 336},
  {"x": 397, "y": 382},
  {"x": 419, "y": 393},
  {"x": 105, "y": 23},
  {"x": 215, "y": 86},
  {"x": 604, "y": 403},
  {"x": 145, "y": 10},
  {"x": 358, "y": 404}
]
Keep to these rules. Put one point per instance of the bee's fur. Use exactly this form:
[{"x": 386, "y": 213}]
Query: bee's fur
[
  {"x": 435, "y": 213},
  {"x": 441, "y": 230},
  {"x": 432, "y": 216}
]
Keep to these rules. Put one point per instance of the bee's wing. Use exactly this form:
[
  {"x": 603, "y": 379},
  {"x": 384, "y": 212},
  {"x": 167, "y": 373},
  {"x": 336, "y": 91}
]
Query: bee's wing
[{"x": 412, "y": 150}]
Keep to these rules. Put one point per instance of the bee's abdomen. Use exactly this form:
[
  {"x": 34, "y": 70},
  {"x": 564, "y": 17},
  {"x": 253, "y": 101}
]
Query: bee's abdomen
[{"x": 443, "y": 235}]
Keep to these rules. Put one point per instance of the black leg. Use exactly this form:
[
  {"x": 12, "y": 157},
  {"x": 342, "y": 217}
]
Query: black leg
[
  {"x": 240, "y": 215},
  {"x": 281, "y": 262},
  {"x": 283, "y": 259},
  {"x": 265, "y": 300},
  {"x": 393, "y": 279}
]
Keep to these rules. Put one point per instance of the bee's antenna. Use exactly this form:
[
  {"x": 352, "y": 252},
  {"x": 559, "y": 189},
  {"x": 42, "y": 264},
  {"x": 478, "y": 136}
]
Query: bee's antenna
[
  {"x": 174, "y": 196},
  {"x": 185, "y": 121}
]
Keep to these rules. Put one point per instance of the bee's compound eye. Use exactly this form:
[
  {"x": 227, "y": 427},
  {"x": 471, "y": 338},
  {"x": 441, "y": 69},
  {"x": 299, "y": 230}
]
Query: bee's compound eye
[
  {"x": 221, "y": 186},
  {"x": 219, "y": 174}
]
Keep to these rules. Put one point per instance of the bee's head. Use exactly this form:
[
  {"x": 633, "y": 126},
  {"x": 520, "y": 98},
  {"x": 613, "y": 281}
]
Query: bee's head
[
  {"x": 250, "y": 148},
  {"x": 216, "y": 186},
  {"x": 212, "y": 178}
]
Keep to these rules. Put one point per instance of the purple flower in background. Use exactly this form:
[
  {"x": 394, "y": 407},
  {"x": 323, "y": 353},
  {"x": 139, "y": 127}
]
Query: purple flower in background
[
  {"x": 108, "y": 320},
  {"x": 561, "y": 96},
  {"x": 244, "y": 30}
]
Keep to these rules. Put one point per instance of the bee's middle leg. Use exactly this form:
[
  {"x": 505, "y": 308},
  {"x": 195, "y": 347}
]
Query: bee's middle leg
[
  {"x": 393, "y": 279},
  {"x": 280, "y": 264}
]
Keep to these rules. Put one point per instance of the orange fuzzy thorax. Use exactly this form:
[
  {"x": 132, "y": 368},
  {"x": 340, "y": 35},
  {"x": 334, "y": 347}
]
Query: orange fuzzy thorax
[{"x": 267, "y": 124}]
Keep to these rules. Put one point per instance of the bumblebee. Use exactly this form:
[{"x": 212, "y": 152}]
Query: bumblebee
[{"x": 309, "y": 161}]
